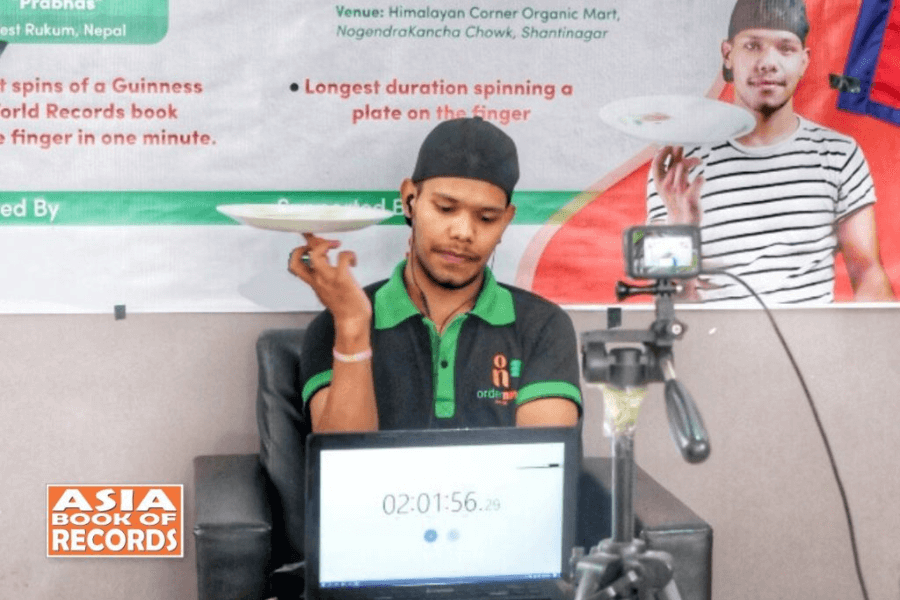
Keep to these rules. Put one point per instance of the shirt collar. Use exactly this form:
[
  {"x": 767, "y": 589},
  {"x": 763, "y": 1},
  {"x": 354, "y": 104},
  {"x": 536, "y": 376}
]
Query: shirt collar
[{"x": 393, "y": 304}]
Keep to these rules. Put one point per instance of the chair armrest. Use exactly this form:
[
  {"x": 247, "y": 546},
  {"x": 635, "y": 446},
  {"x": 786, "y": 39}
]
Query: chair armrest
[
  {"x": 664, "y": 523},
  {"x": 283, "y": 428},
  {"x": 233, "y": 527}
]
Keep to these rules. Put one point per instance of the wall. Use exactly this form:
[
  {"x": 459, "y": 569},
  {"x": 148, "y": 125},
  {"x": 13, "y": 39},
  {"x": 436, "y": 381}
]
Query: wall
[
  {"x": 88, "y": 399},
  {"x": 767, "y": 488}
]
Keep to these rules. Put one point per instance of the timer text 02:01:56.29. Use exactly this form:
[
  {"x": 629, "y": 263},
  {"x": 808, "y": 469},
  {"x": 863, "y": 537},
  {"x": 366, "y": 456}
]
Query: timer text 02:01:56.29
[{"x": 424, "y": 503}]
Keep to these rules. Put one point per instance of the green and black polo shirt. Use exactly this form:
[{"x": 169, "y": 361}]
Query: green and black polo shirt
[{"x": 511, "y": 348}]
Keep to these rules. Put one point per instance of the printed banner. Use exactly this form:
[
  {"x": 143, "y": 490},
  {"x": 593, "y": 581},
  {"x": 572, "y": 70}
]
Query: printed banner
[{"x": 124, "y": 124}]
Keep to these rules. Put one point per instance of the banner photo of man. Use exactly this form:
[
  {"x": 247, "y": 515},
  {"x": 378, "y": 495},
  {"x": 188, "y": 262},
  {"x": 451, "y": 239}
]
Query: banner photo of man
[{"x": 789, "y": 206}]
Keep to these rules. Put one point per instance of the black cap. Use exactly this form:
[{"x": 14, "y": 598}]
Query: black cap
[
  {"x": 471, "y": 148},
  {"x": 784, "y": 15}
]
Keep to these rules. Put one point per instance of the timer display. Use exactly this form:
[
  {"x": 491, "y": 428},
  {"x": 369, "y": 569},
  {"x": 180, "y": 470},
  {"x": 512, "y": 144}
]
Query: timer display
[
  {"x": 424, "y": 503},
  {"x": 436, "y": 513}
]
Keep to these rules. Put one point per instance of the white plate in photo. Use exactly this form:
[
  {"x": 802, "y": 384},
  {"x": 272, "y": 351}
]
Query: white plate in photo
[
  {"x": 678, "y": 120},
  {"x": 305, "y": 218}
]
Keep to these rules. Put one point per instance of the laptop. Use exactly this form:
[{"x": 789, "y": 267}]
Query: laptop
[{"x": 453, "y": 513}]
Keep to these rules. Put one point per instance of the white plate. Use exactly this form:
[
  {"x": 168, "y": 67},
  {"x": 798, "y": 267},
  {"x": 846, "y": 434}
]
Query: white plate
[
  {"x": 678, "y": 120},
  {"x": 305, "y": 218}
]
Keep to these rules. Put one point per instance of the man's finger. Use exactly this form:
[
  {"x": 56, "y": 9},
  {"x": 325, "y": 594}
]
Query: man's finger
[
  {"x": 692, "y": 163},
  {"x": 315, "y": 242},
  {"x": 693, "y": 190},
  {"x": 318, "y": 253},
  {"x": 693, "y": 200},
  {"x": 679, "y": 178},
  {"x": 659, "y": 163},
  {"x": 296, "y": 266},
  {"x": 346, "y": 259}
]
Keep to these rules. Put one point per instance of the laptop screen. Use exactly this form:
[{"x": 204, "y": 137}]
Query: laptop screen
[{"x": 440, "y": 507}]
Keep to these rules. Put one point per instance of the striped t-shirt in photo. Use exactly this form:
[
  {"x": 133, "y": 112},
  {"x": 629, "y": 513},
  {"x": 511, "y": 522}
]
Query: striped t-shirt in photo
[{"x": 769, "y": 214}]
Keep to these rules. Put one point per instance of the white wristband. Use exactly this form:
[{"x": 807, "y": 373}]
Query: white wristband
[{"x": 352, "y": 358}]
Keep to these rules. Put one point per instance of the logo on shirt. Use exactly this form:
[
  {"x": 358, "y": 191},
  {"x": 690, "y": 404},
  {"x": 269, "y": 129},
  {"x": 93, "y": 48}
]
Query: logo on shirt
[{"x": 502, "y": 372}]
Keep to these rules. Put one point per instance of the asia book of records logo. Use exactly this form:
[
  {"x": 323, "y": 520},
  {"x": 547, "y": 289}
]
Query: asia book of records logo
[{"x": 127, "y": 520}]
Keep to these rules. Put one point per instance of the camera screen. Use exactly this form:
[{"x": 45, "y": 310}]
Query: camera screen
[{"x": 662, "y": 252}]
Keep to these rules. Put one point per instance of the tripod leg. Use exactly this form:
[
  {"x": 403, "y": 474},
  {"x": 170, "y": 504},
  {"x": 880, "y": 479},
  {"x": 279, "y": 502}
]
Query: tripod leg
[
  {"x": 588, "y": 585},
  {"x": 594, "y": 572},
  {"x": 670, "y": 592}
]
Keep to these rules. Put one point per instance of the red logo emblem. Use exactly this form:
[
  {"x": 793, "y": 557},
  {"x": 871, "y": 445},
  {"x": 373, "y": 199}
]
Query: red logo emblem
[{"x": 500, "y": 372}]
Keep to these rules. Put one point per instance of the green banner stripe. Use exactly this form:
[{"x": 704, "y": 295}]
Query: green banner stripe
[
  {"x": 199, "y": 208},
  {"x": 84, "y": 21}
]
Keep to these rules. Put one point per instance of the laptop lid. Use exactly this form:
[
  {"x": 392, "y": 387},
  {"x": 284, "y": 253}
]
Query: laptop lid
[{"x": 447, "y": 510}]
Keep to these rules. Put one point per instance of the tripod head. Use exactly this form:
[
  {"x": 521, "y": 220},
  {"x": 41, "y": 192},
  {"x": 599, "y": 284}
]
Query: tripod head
[{"x": 634, "y": 358}]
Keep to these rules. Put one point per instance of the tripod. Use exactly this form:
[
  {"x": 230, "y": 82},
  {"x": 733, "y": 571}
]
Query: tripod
[{"x": 622, "y": 567}]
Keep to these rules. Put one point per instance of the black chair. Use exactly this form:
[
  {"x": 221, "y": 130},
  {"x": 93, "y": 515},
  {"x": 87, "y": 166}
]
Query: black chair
[{"x": 249, "y": 507}]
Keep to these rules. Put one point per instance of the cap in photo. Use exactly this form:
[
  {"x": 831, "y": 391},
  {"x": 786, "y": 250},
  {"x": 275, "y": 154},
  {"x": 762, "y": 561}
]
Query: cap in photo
[
  {"x": 471, "y": 148},
  {"x": 783, "y": 15}
]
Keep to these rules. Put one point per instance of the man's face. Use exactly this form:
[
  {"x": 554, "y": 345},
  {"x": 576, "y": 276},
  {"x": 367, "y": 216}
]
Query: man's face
[
  {"x": 767, "y": 66},
  {"x": 457, "y": 223}
]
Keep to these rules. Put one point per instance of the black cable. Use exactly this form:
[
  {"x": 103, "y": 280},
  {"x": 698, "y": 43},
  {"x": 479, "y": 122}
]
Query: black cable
[{"x": 815, "y": 413}]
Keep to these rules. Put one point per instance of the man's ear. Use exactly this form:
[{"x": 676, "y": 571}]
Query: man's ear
[
  {"x": 407, "y": 195},
  {"x": 509, "y": 214},
  {"x": 727, "y": 73},
  {"x": 727, "y": 47}
]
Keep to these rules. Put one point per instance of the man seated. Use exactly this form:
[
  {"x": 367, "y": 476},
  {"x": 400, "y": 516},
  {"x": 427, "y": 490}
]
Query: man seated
[{"x": 440, "y": 343}]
